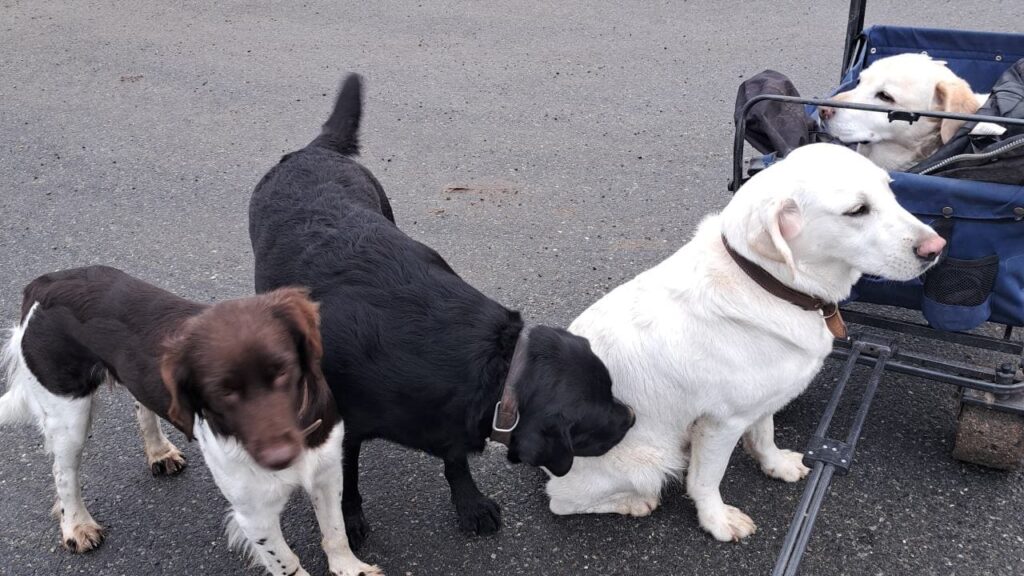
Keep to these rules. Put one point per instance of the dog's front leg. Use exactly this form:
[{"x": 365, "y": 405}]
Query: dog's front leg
[
  {"x": 256, "y": 525},
  {"x": 326, "y": 497},
  {"x": 351, "y": 500},
  {"x": 712, "y": 443},
  {"x": 477, "y": 513},
  {"x": 163, "y": 457},
  {"x": 759, "y": 442}
]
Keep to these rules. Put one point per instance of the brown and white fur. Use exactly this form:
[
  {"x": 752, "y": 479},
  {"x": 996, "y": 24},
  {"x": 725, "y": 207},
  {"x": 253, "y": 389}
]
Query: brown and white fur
[
  {"x": 906, "y": 82},
  {"x": 242, "y": 376}
]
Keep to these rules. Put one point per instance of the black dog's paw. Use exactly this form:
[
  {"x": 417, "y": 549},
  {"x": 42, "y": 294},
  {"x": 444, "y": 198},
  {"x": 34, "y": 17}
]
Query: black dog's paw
[
  {"x": 479, "y": 515},
  {"x": 357, "y": 528}
]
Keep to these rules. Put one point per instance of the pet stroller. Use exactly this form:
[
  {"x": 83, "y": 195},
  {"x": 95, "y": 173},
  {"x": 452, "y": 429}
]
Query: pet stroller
[{"x": 978, "y": 284}]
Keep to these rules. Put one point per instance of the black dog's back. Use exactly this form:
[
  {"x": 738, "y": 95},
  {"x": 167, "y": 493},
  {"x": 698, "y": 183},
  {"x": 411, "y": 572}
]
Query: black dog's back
[{"x": 319, "y": 219}]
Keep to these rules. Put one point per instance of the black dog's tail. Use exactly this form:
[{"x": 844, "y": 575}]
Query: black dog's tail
[{"x": 341, "y": 131}]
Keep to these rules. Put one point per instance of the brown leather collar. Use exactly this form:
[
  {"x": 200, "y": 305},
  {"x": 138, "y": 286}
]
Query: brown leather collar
[
  {"x": 506, "y": 411},
  {"x": 772, "y": 285}
]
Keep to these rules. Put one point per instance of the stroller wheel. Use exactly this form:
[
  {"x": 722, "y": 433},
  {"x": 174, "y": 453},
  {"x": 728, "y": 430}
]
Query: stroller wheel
[{"x": 988, "y": 437}]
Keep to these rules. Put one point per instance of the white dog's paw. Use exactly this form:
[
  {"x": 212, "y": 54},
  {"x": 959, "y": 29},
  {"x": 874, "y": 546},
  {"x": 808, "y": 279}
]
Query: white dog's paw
[
  {"x": 727, "y": 524},
  {"x": 637, "y": 506},
  {"x": 787, "y": 466},
  {"x": 359, "y": 570}
]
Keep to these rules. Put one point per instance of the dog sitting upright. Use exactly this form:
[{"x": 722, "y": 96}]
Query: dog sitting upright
[
  {"x": 709, "y": 344},
  {"x": 906, "y": 82},
  {"x": 241, "y": 376}
]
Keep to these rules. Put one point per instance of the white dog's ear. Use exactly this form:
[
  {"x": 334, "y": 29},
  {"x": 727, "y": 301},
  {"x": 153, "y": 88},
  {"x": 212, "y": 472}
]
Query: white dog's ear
[
  {"x": 781, "y": 221},
  {"x": 954, "y": 96}
]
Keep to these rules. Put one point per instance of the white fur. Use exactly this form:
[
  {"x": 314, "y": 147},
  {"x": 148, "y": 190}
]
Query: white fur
[
  {"x": 705, "y": 356},
  {"x": 257, "y": 495},
  {"x": 912, "y": 80},
  {"x": 65, "y": 424}
]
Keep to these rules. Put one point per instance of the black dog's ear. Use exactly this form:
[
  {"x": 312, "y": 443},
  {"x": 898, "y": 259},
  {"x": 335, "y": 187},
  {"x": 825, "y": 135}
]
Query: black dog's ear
[
  {"x": 550, "y": 447},
  {"x": 177, "y": 377}
]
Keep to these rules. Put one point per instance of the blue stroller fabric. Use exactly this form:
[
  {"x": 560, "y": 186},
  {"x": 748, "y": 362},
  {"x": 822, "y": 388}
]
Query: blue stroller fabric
[{"x": 982, "y": 276}]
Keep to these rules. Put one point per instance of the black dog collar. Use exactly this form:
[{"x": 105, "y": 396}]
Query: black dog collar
[{"x": 506, "y": 411}]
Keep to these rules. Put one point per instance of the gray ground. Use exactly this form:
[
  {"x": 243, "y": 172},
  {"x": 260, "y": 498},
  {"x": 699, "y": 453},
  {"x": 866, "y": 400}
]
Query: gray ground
[{"x": 131, "y": 134}]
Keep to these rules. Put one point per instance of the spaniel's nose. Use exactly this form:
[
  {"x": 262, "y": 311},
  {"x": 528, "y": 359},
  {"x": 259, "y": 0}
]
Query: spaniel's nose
[
  {"x": 278, "y": 456},
  {"x": 930, "y": 248},
  {"x": 826, "y": 113}
]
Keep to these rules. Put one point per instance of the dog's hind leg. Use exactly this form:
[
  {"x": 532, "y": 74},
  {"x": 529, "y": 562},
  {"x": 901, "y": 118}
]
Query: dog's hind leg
[
  {"x": 163, "y": 457},
  {"x": 477, "y": 513},
  {"x": 759, "y": 442},
  {"x": 627, "y": 480},
  {"x": 351, "y": 500},
  {"x": 712, "y": 443},
  {"x": 65, "y": 423},
  {"x": 325, "y": 493}
]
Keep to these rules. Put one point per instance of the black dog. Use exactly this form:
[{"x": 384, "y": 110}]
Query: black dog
[{"x": 413, "y": 353}]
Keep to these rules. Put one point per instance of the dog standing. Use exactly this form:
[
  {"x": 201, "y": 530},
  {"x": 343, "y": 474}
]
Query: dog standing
[
  {"x": 906, "y": 82},
  {"x": 705, "y": 353},
  {"x": 241, "y": 376},
  {"x": 412, "y": 352}
]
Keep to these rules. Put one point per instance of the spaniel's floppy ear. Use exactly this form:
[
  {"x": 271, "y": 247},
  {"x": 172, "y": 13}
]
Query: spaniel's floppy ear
[
  {"x": 177, "y": 376},
  {"x": 293, "y": 306},
  {"x": 954, "y": 96},
  {"x": 780, "y": 221}
]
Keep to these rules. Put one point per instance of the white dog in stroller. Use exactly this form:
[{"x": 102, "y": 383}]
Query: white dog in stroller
[
  {"x": 906, "y": 82},
  {"x": 705, "y": 354}
]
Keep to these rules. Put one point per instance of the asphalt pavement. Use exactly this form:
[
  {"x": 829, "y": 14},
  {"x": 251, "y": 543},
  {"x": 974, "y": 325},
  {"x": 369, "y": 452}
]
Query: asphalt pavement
[{"x": 549, "y": 150}]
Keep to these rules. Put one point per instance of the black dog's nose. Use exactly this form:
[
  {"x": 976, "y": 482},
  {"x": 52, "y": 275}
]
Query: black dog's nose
[{"x": 632, "y": 416}]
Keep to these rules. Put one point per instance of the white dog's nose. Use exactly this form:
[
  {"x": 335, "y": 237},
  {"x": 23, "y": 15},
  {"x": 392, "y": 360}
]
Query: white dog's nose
[
  {"x": 826, "y": 113},
  {"x": 931, "y": 247}
]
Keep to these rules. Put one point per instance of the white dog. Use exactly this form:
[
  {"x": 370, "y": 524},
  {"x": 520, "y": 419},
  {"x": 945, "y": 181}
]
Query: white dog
[
  {"x": 705, "y": 355},
  {"x": 908, "y": 82}
]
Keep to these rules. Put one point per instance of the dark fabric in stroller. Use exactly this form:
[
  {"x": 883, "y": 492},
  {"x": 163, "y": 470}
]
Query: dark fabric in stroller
[
  {"x": 773, "y": 127},
  {"x": 986, "y": 158}
]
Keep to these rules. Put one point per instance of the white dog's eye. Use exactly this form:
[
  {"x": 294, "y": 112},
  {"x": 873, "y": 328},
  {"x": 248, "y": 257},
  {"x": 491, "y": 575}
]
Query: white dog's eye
[
  {"x": 858, "y": 210},
  {"x": 885, "y": 97}
]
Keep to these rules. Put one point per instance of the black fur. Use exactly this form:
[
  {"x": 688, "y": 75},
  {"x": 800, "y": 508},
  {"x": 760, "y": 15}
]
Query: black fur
[{"x": 413, "y": 353}]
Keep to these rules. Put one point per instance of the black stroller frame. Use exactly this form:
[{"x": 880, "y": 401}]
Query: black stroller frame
[{"x": 985, "y": 391}]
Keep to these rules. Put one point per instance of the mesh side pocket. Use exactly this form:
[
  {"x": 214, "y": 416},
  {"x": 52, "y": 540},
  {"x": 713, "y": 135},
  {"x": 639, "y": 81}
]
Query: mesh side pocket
[{"x": 957, "y": 282}]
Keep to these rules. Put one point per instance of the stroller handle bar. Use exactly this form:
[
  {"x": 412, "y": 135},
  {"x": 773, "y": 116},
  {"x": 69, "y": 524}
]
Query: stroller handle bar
[{"x": 910, "y": 116}]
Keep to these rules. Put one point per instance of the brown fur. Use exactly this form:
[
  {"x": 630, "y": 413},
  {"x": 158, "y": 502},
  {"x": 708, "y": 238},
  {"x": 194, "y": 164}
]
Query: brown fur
[
  {"x": 954, "y": 96},
  {"x": 256, "y": 364},
  {"x": 247, "y": 366}
]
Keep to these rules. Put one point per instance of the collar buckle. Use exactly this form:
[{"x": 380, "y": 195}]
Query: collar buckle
[{"x": 494, "y": 422}]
